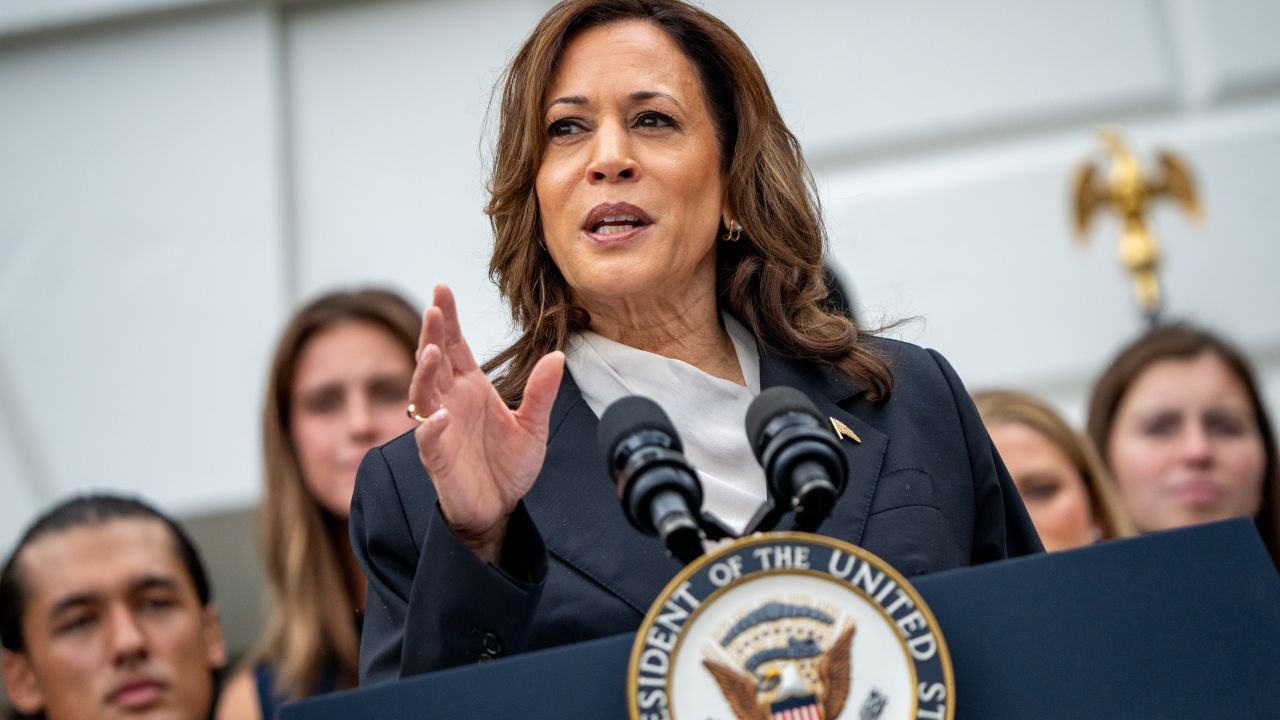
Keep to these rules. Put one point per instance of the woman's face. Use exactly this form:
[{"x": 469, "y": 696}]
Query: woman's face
[
  {"x": 1184, "y": 446},
  {"x": 349, "y": 394},
  {"x": 629, "y": 187},
  {"x": 1050, "y": 485}
]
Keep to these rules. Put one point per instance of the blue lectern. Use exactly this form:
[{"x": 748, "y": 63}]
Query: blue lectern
[{"x": 1181, "y": 624}]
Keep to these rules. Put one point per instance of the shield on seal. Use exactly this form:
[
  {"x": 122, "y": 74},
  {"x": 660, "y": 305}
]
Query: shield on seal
[{"x": 796, "y": 708}]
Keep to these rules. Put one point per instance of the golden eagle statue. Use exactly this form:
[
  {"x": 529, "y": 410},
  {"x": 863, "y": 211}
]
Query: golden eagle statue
[{"x": 1129, "y": 193}]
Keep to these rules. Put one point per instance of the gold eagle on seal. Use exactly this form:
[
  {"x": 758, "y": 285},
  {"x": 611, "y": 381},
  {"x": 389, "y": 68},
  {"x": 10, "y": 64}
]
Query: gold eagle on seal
[{"x": 781, "y": 685}]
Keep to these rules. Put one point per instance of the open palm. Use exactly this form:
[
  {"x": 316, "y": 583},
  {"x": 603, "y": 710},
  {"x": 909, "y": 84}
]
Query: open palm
[{"x": 482, "y": 456}]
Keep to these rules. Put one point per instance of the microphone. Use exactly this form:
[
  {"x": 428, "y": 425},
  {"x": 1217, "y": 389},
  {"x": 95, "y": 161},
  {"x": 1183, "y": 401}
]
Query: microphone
[
  {"x": 659, "y": 489},
  {"x": 801, "y": 459}
]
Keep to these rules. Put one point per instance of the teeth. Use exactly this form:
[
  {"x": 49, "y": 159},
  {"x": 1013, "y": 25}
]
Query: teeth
[
  {"x": 610, "y": 224},
  {"x": 611, "y": 229}
]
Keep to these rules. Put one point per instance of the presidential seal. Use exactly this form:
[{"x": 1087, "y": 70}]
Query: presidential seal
[{"x": 789, "y": 626}]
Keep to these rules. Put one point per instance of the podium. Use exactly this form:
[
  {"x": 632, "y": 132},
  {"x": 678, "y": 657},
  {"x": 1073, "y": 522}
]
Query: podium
[{"x": 1179, "y": 624}]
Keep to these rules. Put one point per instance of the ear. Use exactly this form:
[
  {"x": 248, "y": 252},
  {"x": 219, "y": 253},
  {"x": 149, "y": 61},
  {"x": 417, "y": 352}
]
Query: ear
[
  {"x": 215, "y": 648},
  {"x": 21, "y": 684}
]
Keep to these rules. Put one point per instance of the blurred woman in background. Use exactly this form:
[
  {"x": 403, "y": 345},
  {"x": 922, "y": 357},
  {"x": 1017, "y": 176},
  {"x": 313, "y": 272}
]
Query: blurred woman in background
[
  {"x": 338, "y": 386},
  {"x": 1179, "y": 420},
  {"x": 1057, "y": 471}
]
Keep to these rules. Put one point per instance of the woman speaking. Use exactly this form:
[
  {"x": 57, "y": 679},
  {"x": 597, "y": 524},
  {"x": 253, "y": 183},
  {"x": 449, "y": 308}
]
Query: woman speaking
[{"x": 656, "y": 232}]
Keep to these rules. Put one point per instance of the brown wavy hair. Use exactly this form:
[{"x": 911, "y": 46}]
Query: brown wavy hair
[
  {"x": 772, "y": 280},
  {"x": 1183, "y": 341},
  {"x": 999, "y": 407},
  {"x": 312, "y": 580}
]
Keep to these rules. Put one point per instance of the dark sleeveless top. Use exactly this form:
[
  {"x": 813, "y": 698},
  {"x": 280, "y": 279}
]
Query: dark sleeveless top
[{"x": 264, "y": 677}]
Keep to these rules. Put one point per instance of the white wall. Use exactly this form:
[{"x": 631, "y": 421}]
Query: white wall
[
  {"x": 139, "y": 271},
  {"x": 387, "y": 102},
  {"x": 175, "y": 174}
]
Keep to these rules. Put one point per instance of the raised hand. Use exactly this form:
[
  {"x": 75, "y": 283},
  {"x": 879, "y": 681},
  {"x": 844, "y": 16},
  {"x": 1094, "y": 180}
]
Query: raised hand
[{"x": 482, "y": 456}]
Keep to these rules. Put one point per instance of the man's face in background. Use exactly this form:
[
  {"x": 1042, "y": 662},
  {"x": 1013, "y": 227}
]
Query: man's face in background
[{"x": 113, "y": 627}]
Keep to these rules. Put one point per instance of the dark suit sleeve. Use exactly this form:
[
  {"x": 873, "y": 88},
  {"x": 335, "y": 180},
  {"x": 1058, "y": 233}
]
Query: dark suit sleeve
[
  {"x": 1001, "y": 527},
  {"x": 431, "y": 603}
]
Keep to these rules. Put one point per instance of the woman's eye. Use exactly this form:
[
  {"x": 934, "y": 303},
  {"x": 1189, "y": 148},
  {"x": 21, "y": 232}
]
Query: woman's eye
[
  {"x": 1161, "y": 425},
  {"x": 390, "y": 392},
  {"x": 655, "y": 119},
  {"x": 565, "y": 127},
  {"x": 1039, "y": 491},
  {"x": 1224, "y": 425},
  {"x": 322, "y": 403}
]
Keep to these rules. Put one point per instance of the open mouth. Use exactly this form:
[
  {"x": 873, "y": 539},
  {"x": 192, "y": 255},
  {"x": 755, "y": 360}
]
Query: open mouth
[
  {"x": 611, "y": 224},
  {"x": 610, "y": 219}
]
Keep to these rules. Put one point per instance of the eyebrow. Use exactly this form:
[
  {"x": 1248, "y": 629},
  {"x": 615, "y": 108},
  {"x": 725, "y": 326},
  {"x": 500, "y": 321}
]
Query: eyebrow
[
  {"x": 567, "y": 100},
  {"x": 66, "y": 603},
  {"x": 637, "y": 96},
  {"x": 321, "y": 389},
  {"x": 643, "y": 95},
  {"x": 1037, "y": 476},
  {"x": 389, "y": 378},
  {"x": 146, "y": 582},
  {"x": 153, "y": 582}
]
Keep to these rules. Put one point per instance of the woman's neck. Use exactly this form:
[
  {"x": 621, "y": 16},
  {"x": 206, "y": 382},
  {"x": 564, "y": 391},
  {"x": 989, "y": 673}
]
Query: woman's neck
[{"x": 690, "y": 332}]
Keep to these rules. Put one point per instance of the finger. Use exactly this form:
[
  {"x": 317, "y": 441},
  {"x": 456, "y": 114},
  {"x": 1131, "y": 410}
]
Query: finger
[
  {"x": 432, "y": 329},
  {"x": 454, "y": 345},
  {"x": 423, "y": 388},
  {"x": 540, "y": 392},
  {"x": 422, "y": 335},
  {"x": 444, "y": 377},
  {"x": 435, "y": 337},
  {"x": 428, "y": 435}
]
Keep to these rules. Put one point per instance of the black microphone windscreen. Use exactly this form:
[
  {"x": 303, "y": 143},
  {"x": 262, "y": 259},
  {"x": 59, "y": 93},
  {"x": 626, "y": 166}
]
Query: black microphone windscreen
[
  {"x": 628, "y": 415},
  {"x": 772, "y": 403}
]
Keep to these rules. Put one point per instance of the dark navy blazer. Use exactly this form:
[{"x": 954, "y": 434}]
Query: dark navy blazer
[{"x": 926, "y": 492}]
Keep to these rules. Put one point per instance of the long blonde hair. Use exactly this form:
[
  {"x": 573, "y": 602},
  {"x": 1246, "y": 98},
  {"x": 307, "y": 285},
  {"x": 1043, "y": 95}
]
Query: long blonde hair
[
  {"x": 310, "y": 630},
  {"x": 1009, "y": 407}
]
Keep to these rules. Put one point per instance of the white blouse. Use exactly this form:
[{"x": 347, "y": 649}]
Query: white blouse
[{"x": 708, "y": 412}]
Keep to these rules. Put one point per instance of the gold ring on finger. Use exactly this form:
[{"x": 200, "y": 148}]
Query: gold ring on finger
[{"x": 412, "y": 412}]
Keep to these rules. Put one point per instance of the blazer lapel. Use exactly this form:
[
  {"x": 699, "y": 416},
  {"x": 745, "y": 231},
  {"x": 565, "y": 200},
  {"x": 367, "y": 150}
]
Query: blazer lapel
[
  {"x": 829, "y": 389},
  {"x": 576, "y": 508}
]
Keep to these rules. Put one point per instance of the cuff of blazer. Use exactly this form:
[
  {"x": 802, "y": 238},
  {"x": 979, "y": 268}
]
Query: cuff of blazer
[
  {"x": 524, "y": 557},
  {"x": 479, "y": 610}
]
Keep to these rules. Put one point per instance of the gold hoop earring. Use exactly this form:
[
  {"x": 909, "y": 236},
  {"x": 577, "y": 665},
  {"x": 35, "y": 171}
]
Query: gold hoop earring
[{"x": 734, "y": 234}]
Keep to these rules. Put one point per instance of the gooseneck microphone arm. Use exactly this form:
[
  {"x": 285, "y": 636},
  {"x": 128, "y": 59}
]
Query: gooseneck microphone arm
[
  {"x": 659, "y": 489},
  {"x": 805, "y": 468}
]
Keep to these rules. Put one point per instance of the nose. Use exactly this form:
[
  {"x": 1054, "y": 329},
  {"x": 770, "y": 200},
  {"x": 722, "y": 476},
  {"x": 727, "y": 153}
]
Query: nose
[
  {"x": 360, "y": 422},
  {"x": 128, "y": 641},
  {"x": 1195, "y": 446},
  {"x": 611, "y": 156}
]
